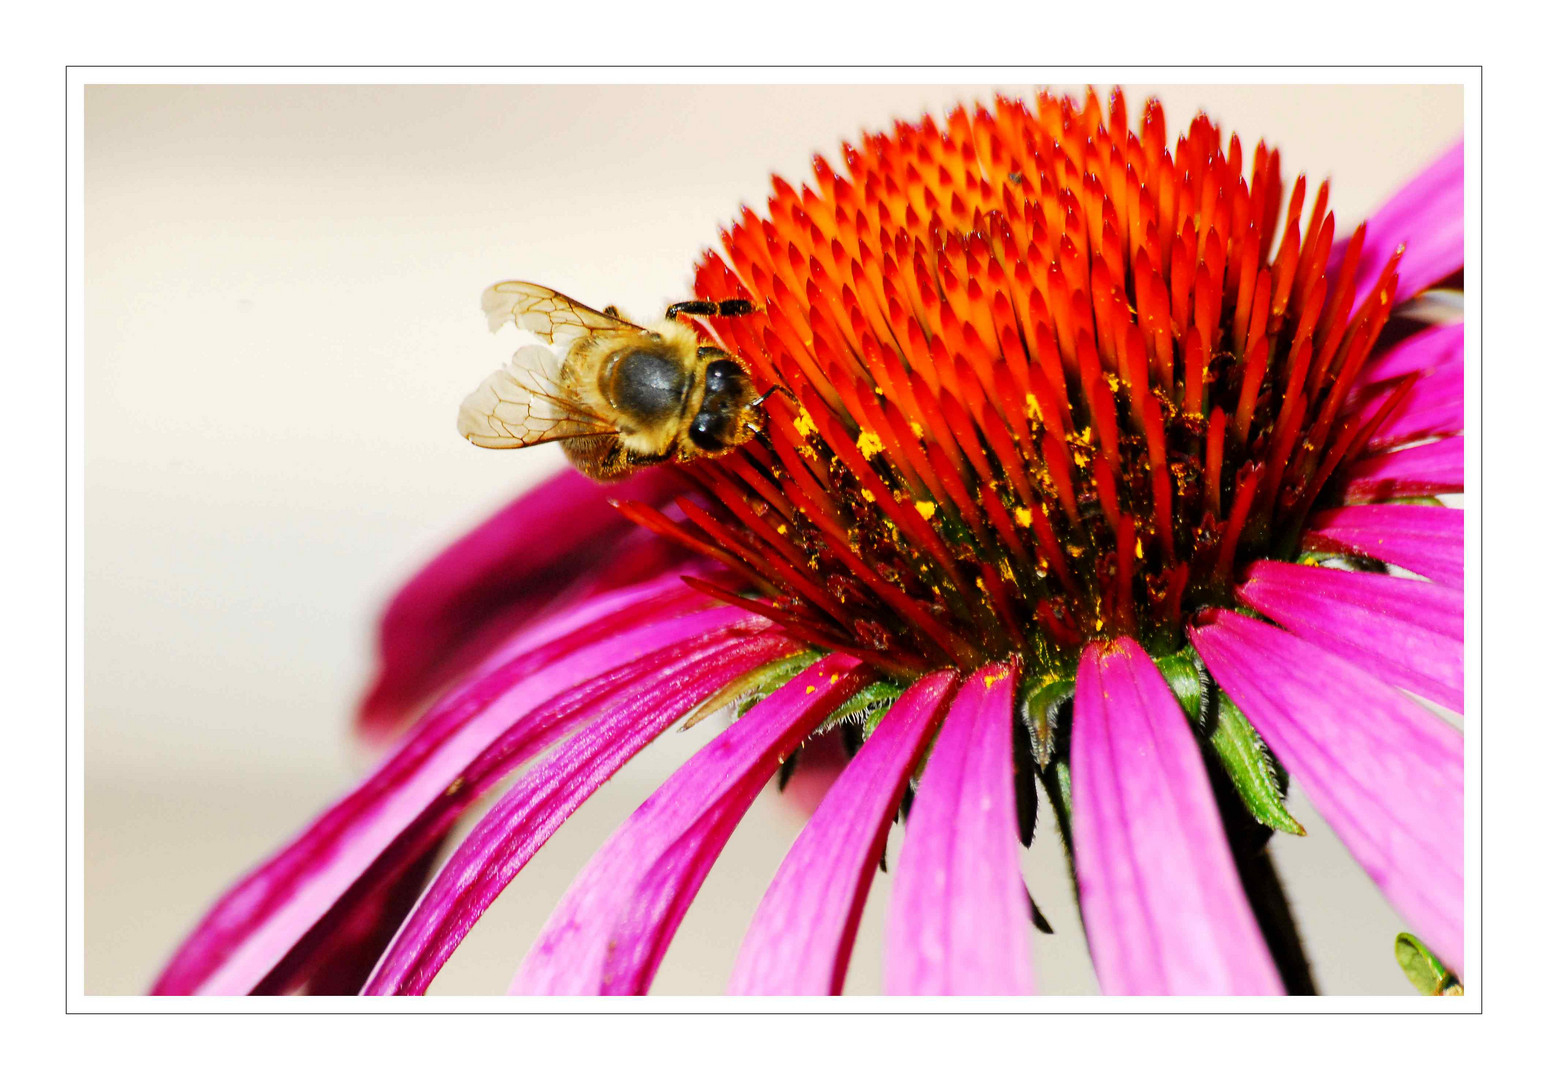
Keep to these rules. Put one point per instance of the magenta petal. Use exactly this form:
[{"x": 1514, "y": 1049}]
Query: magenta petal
[
  {"x": 1434, "y": 349},
  {"x": 1164, "y": 909},
  {"x": 1424, "y": 539},
  {"x": 537, "y": 804},
  {"x": 609, "y": 932},
  {"x": 1432, "y": 468},
  {"x": 494, "y": 579},
  {"x": 1425, "y": 219},
  {"x": 959, "y": 921},
  {"x": 260, "y": 920},
  {"x": 1381, "y": 769},
  {"x": 800, "y": 938},
  {"x": 1431, "y": 407},
  {"x": 1405, "y": 632}
]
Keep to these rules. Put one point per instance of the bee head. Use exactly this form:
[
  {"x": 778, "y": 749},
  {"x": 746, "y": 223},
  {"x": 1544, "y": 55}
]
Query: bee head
[{"x": 728, "y": 415}]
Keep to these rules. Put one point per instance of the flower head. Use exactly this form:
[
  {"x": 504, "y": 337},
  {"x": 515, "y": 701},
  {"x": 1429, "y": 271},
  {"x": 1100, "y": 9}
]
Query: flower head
[{"x": 1097, "y": 455}]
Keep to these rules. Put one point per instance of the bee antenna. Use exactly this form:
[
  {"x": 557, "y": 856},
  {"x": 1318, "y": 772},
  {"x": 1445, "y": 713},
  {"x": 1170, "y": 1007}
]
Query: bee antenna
[{"x": 777, "y": 389}]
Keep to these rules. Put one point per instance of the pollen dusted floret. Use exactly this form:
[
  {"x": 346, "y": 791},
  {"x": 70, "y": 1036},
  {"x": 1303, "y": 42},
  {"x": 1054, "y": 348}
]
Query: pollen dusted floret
[{"x": 1050, "y": 381}]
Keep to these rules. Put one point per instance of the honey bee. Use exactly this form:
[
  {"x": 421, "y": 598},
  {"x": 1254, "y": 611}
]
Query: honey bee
[{"x": 618, "y": 396}]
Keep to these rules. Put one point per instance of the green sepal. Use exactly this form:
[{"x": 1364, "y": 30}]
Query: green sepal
[
  {"x": 1257, "y": 776},
  {"x": 1038, "y": 707},
  {"x": 1181, "y": 672},
  {"x": 865, "y": 708},
  {"x": 1424, "y": 969},
  {"x": 1252, "y": 770},
  {"x": 770, "y": 677}
]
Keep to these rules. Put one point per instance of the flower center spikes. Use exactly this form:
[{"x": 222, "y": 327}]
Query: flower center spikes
[{"x": 1049, "y": 381}]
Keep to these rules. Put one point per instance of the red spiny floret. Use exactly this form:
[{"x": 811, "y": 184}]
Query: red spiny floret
[{"x": 1050, "y": 379}]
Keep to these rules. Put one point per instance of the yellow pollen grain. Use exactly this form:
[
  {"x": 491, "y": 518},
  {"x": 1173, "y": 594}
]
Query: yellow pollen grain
[
  {"x": 782, "y": 529},
  {"x": 916, "y": 428},
  {"x": 804, "y": 423},
  {"x": 1033, "y": 412},
  {"x": 1139, "y": 548},
  {"x": 990, "y": 680},
  {"x": 926, "y": 508},
  {"x": 866, "y": 494},
  {"x": 1023, "y": 517},
  {"x": 868, "y": 444},
  {"x": 811, "y": 689}
]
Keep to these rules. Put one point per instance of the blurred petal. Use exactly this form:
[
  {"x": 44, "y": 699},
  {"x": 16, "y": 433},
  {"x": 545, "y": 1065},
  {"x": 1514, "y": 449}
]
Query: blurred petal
[
  {"x": 610, "y": 930},
  {"x": 1433, "y": 468},
  {"x": 358, "y": 841},
  {"x": 1424, "y": 539},
  {"x": 801, "y": 935},
  {"x": 507, "y": 837},
  {"x": 1164, "y": 909},
  {"x": 1425, "y": 219},
  {"x": 960, "y": 921},
  {"x": 1381, "y": 769},
  {"x": 495, "y": 579},
  {"x": 1405, "y": 632}
]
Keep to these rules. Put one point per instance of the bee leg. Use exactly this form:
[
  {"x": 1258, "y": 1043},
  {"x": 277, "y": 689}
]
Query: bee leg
[{"x": 724, "y": 309}]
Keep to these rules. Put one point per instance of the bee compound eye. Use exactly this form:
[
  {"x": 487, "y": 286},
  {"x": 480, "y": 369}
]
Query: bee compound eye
[
  {"x": 710, "y": 430},
  {"x": 722, "y": 375}
]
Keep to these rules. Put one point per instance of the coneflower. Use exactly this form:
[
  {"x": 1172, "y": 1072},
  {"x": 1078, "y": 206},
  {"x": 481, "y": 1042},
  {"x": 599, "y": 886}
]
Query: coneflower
[{"x": 1104, "y": 470}]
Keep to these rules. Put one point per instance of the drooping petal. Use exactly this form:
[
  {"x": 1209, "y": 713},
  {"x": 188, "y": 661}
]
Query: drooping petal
[
  {"x": 1164, "y": 908},
  {"x": 494, "y": 579},
  {"x": 507, "y": 837},
  {"x": 800, "y": 938},
  {"x": 1432, "y": 468},
  {"x": 1405, "y": 632},
  {"x": 1382, "y": 770},
  {"x": 346, "y": 948},
  {"x": 1425, "y": 219},
  {"x": 1433, "y": 349},
  {"x": 1424, "y": 539},
  {"x": 259, "y": 921},
  {"x": 612, "y": 927},
  {"x": 960, "y": 921}
]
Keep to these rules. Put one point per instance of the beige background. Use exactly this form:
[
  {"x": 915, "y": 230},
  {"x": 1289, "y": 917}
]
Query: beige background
[{"x": 282, "y": 315}]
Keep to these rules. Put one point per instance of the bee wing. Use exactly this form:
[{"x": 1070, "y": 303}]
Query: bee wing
[
  {"x": 552, "y": 316},
  {"x": 524, "y": 403}
]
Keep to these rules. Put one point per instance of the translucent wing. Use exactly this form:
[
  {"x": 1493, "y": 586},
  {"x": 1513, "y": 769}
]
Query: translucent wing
[
  {"x": 524, "y": 403},
  {"x": 552, "y": 316}
]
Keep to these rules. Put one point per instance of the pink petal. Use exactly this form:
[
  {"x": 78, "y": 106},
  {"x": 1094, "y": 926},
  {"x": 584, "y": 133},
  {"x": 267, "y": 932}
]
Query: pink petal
[
  {"x": 507, "y": 837},
  {"x": 1405, "y": 632},
  {"x": 1382, "y": 770},
  {"x": 800, "y": 938},
  {"x": 1436, "y": 348},
  {"x": 1164, "y": 909},
  {"x": 268, "y": 913},
  {"x": 1432, "y": 468},
  {"x": 1424, "y": 539},
  {"x": 960, "y": 921},
  {"x": 608, "y": 934},
  {"x": 1431, "y": 407},
  {"x": 1425, "y": 219},
  {"x": 496, "y": 578},
  {"x": 337, "y": 955}
]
